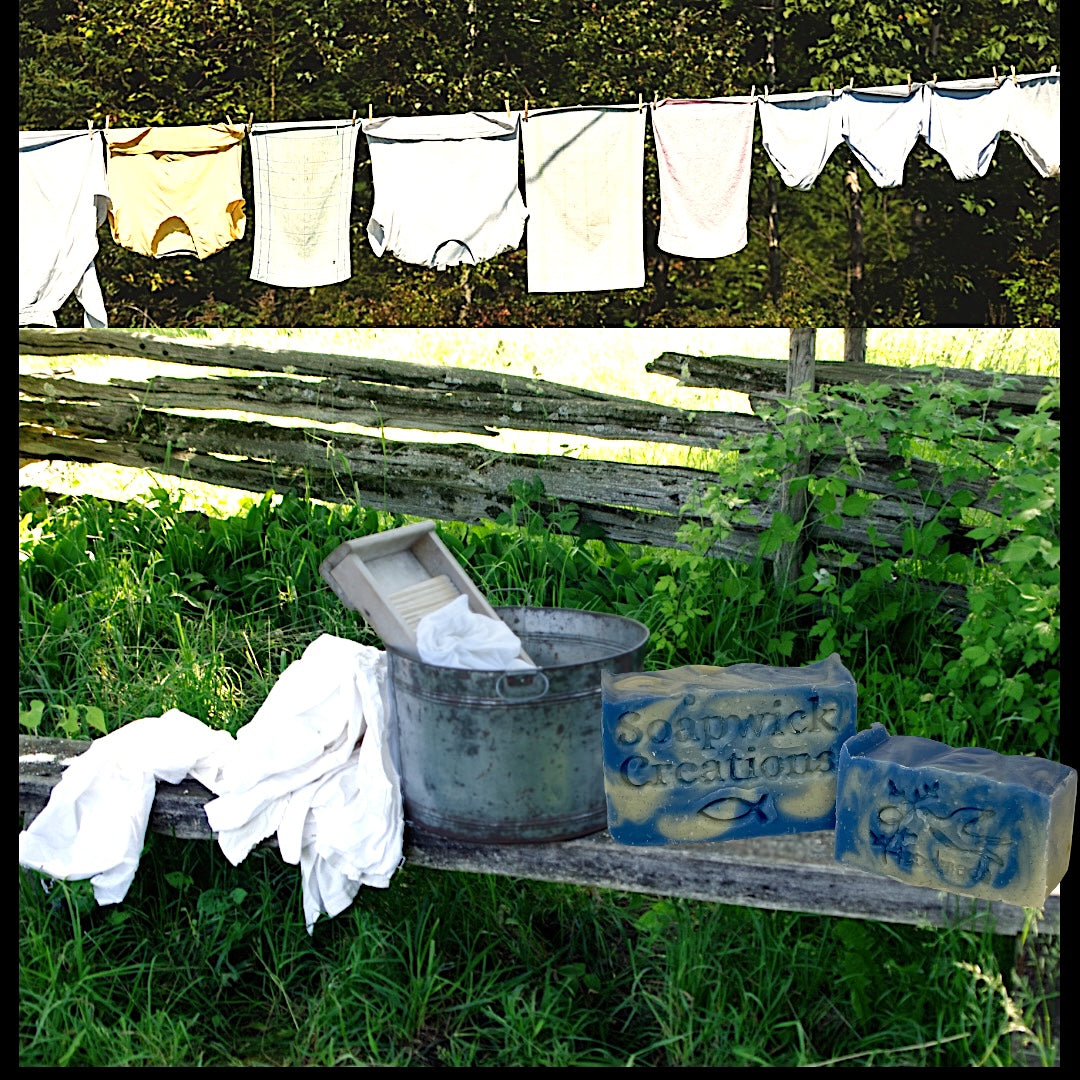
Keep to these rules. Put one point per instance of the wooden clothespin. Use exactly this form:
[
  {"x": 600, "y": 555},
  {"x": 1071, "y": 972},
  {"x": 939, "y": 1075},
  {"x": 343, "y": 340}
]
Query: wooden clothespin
[
  {"x": 353, "y": 124},
  {"x": 526, "y": 109},
  {"x": 506, "y": 105},
  {"x": 89, "y": 125},
  {"x": 1012, "y": 68},
  {"x": 640, "y": 103},
  {"x": 935, "y": 78},
  {"x": 251, "y": 120},
  {"x": 909, "y": 82},
  {"x": 997, "y": 81},
  {"x": 766, "y": 91},
  {"x": 108, "y": 117},
  {"x": 370, "y": 116}
]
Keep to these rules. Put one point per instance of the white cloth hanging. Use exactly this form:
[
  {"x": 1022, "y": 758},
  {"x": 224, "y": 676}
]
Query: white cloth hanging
[
  {"x": 584, "y": 190},
  {"x": 799, "y": 133},
  {"x": 63, "y": 199},
  {"x": 302, "y": 176},
  {"x": 446, "y": 187},
  {"x": 965, "y": 120},
  {"x": 703, "y": 153},
  {"x": 1035, "y": 120},
  {"x": 881, "y": 126}
]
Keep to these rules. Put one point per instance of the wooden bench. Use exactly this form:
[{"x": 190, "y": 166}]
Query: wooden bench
[{"x": 781, "y": 873}]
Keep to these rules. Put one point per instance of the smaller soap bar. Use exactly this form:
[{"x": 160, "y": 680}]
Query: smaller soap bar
[
  {"x": 964, "y": 820},
  {"x": 699, "y": 753}
]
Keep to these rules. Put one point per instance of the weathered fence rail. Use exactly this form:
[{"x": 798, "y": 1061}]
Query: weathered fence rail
[{"x": 300, "y": 413}]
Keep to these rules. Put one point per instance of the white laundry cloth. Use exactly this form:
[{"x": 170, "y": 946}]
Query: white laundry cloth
[
  {"x": 881, "y": 125},
  {"x": 302, "y": 177},
  {"x": 446, "y": 187},
  {"x": 799, "y": 133},
  {"x": 703, "y": 151},
  {"x": 584, "y": 190},
  {"x": 1035, "y": 119},
  {"x": 965, "y": 120},
  {"x": 63, "y": 199},
  {"x": 295, "y": 768},
  {"x": 347, "y": 828},
  {"x": 308, "y": 725},
  {"x": 456, "y": 636},
  {"x": 94, "y": 823}
]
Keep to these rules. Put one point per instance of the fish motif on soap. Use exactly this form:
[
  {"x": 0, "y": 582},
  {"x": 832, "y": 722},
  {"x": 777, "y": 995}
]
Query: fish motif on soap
[
  {"x": 919, "y": 826},
  {"x": 736, "y": 806}
]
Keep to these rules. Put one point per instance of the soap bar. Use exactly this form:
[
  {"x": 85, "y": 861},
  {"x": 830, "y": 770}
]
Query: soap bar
[
  {"x": 963, "y": 820},
  {"x": 701, "y": 753}
]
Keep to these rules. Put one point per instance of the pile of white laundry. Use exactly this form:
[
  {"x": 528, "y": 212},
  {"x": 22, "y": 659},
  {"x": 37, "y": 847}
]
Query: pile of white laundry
[{"x": 317, "y": 765}]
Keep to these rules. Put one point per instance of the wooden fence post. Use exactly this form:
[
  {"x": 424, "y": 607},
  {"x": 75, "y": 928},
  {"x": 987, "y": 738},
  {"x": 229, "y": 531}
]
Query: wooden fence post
[{"x": 800, "y": 378}]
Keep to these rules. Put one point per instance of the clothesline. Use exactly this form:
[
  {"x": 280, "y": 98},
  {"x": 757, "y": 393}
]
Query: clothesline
[
  {"x": 657, "y": 99},
  {"x": 447, "y": 191}
]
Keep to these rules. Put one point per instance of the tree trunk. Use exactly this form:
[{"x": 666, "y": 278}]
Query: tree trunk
[{"x": 855, "y": 336}]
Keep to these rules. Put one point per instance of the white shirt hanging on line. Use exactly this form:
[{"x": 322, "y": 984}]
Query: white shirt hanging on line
[
  {"x": 63, "y": 199},
  {"x": 446, "y": 187}
]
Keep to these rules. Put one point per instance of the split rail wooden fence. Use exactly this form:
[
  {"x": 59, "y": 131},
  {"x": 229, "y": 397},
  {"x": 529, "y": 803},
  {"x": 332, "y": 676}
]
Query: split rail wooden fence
[{"x": 286, "y": 420}]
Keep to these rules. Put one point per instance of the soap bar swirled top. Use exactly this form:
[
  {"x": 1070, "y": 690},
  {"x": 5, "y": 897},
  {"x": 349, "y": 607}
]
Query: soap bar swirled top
[
  {"x": 702, "y": 753},
  {"x": 961, "y": 819}
]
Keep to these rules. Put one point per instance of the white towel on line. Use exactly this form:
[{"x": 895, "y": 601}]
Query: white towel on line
[
  {"x": 703, "y": 152},
  {"x": 584, "y": 190},
  {"x": 302, "y": 177},
  {"x": 63, "y": 199}
]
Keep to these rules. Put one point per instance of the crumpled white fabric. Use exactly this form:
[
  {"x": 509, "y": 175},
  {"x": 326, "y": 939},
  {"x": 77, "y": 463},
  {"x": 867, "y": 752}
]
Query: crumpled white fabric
[
  {"x": 94, "y": 824},
  {"x": 317, "y": 764},
  {"x": 335, "y": 805},
  {"x": 308, "y": 725},
  {"x": 455, "y": 636},
  {"x": 297, "y": 771}
]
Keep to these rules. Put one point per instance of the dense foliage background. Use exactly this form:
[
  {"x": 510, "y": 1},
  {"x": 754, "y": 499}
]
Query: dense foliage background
[{"x": 937, "y": 251}]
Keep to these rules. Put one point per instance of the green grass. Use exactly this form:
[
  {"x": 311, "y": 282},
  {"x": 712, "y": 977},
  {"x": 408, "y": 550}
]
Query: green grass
[
  {"x": 209, "y": 965},
  {"x": 135, "y": 607}
]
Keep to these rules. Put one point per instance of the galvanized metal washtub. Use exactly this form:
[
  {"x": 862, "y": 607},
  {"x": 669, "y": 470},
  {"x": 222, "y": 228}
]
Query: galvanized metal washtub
[{"x": 513, "y": 756}]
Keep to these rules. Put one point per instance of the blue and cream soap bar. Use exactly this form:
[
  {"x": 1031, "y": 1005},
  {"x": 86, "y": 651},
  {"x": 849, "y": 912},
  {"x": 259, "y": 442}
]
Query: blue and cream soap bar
[
  {"x": 697, "y": 753},
  {"x": 964, "y": 820}
]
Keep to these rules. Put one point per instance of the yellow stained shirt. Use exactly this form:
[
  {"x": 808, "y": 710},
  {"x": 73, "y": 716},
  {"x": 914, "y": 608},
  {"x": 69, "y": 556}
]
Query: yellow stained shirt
[{"x": 176, "y": 190}]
